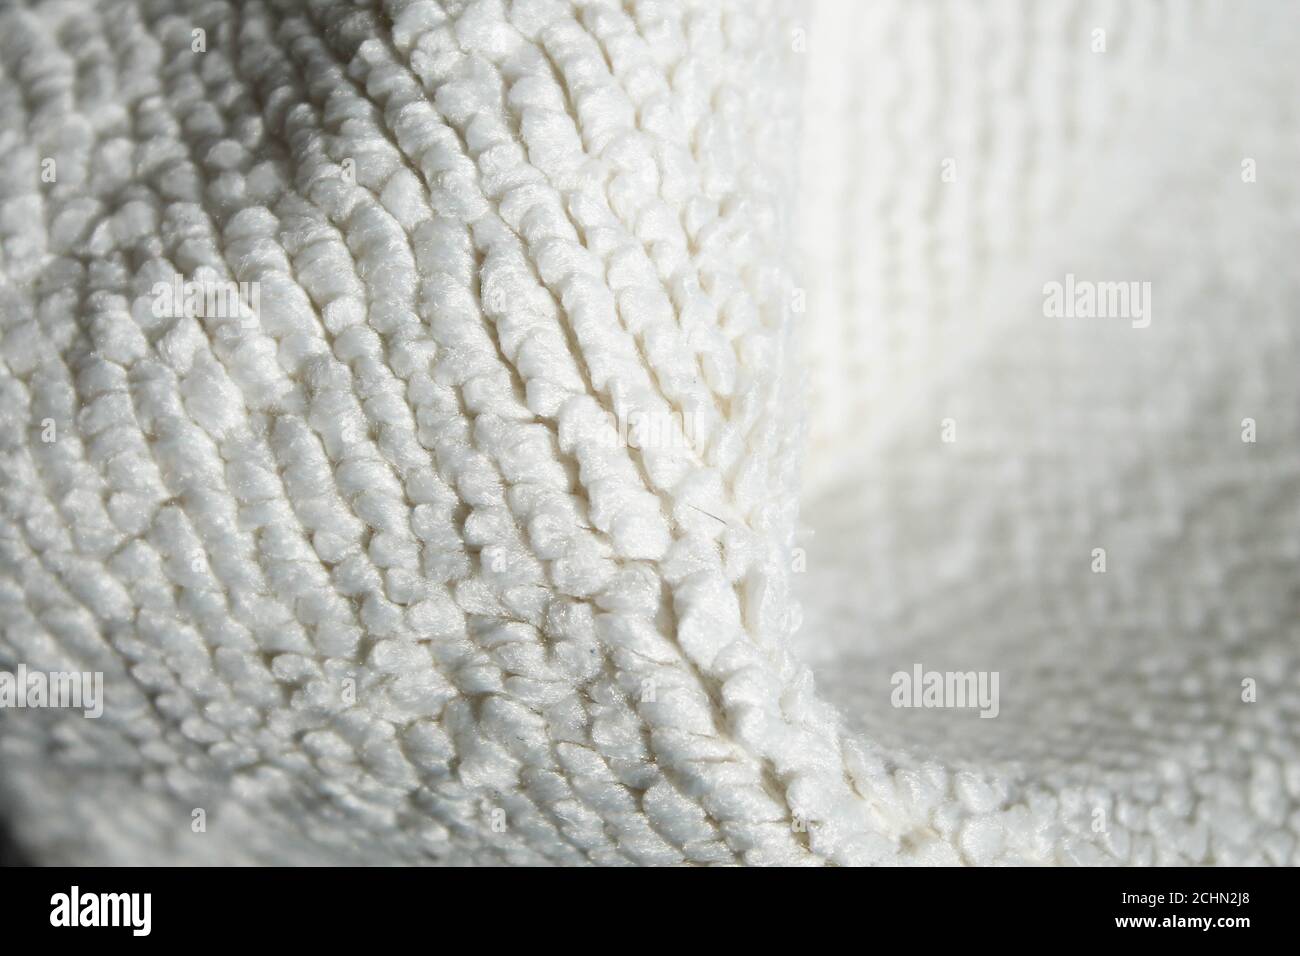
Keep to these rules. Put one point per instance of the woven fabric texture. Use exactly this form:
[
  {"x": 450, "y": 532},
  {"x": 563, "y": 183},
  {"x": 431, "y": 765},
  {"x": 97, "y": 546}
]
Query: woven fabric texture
[{"x": 616, "y": 396}]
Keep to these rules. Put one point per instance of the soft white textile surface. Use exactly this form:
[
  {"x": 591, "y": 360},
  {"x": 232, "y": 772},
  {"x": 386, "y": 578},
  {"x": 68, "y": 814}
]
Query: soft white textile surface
[{"x": 366, "y": 575}]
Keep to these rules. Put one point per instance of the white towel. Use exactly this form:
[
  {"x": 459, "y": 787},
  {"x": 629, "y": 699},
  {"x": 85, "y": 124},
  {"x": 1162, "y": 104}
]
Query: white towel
[{"x": 549, "y": 432}]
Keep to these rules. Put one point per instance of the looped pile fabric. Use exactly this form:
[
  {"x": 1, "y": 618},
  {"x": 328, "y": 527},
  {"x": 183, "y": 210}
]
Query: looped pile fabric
[{"x": 375, "y": 569}]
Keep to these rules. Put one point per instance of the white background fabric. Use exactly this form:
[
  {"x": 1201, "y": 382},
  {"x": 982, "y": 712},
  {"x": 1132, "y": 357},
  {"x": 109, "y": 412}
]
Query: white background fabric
[{"x": 478, "y": 230}]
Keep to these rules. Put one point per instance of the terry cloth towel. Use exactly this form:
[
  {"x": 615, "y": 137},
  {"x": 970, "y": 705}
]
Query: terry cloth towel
[{"x": 652, "y": 432}]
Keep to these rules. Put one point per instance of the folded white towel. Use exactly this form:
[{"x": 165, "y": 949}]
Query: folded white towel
[{"x": 403, "y": 407}]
